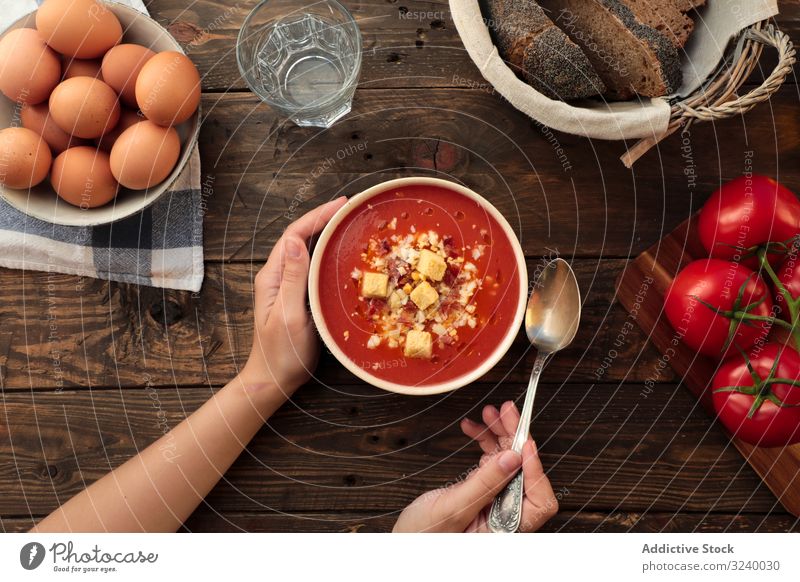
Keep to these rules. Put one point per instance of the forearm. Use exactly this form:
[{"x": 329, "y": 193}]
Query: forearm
[{"x": 157, "y": 490}]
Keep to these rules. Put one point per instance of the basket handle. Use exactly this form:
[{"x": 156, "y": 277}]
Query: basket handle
[{"x": 682, "y": 113}]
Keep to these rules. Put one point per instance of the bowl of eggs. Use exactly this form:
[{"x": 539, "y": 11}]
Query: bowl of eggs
[{"x": 99, "y": 112}]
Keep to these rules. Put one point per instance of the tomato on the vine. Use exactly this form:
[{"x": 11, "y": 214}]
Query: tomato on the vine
[
  {"x": 746, "y": 213},
  {"x": 757, "y": 395},
  {"x": 717, "y": 305}
]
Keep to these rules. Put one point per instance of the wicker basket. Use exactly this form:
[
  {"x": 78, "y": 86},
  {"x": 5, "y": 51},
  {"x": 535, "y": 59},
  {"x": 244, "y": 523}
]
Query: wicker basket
[
  {"x": 718, "y": 98},
  {"x": 647, "y": 121}
]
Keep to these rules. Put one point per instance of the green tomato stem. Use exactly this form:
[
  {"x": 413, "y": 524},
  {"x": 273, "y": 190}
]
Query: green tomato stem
[
  {"x": 792, "y": 304},
  {"x": 768, "y": 318}
]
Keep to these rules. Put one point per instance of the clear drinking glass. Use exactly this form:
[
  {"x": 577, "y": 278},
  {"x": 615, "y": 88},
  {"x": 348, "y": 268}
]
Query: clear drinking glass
[{"x": 302, "y": 57}]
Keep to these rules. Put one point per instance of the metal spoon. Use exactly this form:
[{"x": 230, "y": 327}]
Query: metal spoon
[{"x": 551, "y": 321}]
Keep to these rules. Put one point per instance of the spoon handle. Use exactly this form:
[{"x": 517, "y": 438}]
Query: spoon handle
[{"x": 506, "y": 512}]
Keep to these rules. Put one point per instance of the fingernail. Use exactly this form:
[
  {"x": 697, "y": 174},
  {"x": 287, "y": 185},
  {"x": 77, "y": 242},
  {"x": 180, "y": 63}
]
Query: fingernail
[
  {"x": 509, "y": 461},
  {"x": 293, "y": 249}
]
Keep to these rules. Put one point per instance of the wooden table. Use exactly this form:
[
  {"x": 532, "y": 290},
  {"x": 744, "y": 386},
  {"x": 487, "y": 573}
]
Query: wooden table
[{"x": 94, "y": 371}]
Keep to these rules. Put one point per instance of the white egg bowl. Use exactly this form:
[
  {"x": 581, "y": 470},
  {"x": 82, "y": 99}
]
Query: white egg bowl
[{"x": 41, "y": 201}]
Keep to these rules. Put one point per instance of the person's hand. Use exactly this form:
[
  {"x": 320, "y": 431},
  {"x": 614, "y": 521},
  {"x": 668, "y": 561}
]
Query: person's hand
[
  {"x": 285, "y": 346},
  {"x": 464, "y": 507}
]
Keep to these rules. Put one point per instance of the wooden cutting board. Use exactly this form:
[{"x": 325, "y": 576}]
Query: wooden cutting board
[{"x": 640, "y": 289}]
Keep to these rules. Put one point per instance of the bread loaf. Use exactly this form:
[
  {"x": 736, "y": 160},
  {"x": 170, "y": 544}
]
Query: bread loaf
[
  {"x": 630, "y": 56},
  {"x": 540, "y": 52}
]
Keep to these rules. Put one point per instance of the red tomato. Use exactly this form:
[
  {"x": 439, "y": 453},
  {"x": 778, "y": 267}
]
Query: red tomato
[
  {"x": 789, "y": 276},
  {"x": 748, "y": 212},
  {"x": 717, "y": 283},
  {"x": 764, "y": 413}
]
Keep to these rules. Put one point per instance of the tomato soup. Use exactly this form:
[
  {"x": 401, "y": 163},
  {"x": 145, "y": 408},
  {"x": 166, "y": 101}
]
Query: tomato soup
[{"x": 419, "y": 285}]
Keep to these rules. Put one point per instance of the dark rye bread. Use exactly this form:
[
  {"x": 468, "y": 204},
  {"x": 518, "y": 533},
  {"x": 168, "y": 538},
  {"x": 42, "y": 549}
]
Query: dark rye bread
[
  {"x": 630, "y": 57},
  {"x": 664, "y": 16},
  {"x": 539, "y": 51}
]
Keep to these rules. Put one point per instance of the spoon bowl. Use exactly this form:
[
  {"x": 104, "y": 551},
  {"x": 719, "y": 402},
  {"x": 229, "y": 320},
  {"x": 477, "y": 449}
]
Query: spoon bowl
[{"x": 554, "y": 308}]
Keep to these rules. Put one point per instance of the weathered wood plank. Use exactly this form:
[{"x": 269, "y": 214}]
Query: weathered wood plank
[
  {"x": 64, "y": 331},
  {"x": 654, "y": 522},
  {"x": 470, "y": 131},
  {"x": 207, "y": 520},
  {"x": 559, "y": 191},
  {"x": 406, "y": 42},
  {"x": 204, "y": 520},
  {"x": 348, "y": 449}
]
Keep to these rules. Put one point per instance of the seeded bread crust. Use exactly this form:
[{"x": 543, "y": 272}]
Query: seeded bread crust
[
  {"x": 563, "y": 66},
  {"x": 665, "y": 17},
  {"x": 665, "y": 51},
  {"x": 540, "y": 52},
  {"x": 512, "y": 20}
]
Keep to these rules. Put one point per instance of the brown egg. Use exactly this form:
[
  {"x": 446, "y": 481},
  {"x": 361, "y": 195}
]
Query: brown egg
[
  {"x": 168, "y": 88},
  {"x": 80, "y": 68},
  {"x": 24, "y": 158},
  {"x": 121, "y": 67},
  {"x": 127, "y": 118},
  {"x": 84, "y": 107},
  {"x": 144, "y": 155},
  {"x": 37, "y": 118},
  {"x": 82, "y": 176},
  {"x": 84, "y": 29},
  {"x": 29, "y": 69}
]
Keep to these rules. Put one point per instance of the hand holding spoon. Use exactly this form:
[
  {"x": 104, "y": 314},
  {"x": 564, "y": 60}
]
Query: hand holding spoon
[{"x": 551, "y": 321}]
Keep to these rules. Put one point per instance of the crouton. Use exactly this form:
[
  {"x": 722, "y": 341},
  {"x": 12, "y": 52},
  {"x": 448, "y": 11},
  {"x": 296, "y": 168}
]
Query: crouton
[
  {"x": 375, "y": 285},
  {"x": 431, "y": 265},
  {"x": 418, "y": 344},
  {"x": 424, "y": 295}
]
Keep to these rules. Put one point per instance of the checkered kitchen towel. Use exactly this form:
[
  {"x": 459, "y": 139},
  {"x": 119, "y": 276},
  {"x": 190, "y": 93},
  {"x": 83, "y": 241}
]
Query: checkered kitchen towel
[{"x": 162, "y": 246}]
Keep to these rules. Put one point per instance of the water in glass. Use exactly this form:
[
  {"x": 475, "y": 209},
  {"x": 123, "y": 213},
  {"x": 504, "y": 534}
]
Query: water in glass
[{"x": 304, "y": 62}]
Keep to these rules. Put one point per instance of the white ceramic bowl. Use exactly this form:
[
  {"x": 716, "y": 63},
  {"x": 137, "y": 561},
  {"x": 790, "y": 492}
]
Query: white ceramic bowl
[
  {"x": 42, "y": 202},
  {"x": 314, "y": 297}
]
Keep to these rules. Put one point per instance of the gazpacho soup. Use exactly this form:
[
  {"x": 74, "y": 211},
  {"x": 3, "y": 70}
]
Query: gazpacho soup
[{"x": 419, "y": 285}]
